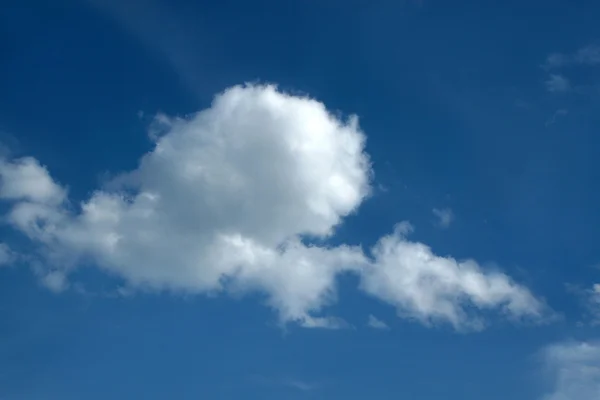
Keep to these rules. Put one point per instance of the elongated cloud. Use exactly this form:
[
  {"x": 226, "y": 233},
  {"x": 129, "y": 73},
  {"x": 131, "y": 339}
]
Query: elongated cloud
[
  {"x": 223, "y": 203},
  {"x": 430, "y": 288}
]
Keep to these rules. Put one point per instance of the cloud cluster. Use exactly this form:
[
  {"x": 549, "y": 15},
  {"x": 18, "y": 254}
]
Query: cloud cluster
[
  {"x": 224, "y": 203},
  {"x": 574, "y": 370}
]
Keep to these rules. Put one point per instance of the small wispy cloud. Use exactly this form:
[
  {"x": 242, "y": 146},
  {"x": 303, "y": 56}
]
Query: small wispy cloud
[
  {"x": 557, "y": 83},
  {"x": 7, "y": 256},
  {"x": 300, "y": 385},
  {"x": 325, "y": 323},
  {"x": 587, "y": 55},
  {"x": 557, "y": 114},
  {"x": 376, "y": 323},
  {"x": 445, "y": 216},
  {"x": 296, "y": 384}
]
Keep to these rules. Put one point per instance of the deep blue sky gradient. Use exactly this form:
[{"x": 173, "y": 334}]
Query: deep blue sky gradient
[{"x": 452, "y": 98}]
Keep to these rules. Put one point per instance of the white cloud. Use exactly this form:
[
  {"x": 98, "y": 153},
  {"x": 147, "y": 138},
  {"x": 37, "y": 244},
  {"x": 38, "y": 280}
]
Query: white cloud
[
  {"x": 222, "y": 203},
  {"x": 574, "y": 370},
  {"x": 430, "y": 288},
  {"x": 26, "y": 179},
  {"x": 7, "y": 256},
  {"x": 219, "y": 204},
  {"x": 325, "y": 323},
  {"x": 445, "y": 216},
  {"x": 55, "y": 281},
  {"x": 376, "y": 323},
  {"x": 557, "y": 83}
]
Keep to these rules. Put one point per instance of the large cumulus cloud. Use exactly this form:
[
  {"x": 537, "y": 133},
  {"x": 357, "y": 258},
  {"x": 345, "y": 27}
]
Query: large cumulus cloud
[{"x": 224, "y": 202}]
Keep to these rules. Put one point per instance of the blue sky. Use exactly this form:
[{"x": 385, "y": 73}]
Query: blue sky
[{"x": 299, "y": 200}]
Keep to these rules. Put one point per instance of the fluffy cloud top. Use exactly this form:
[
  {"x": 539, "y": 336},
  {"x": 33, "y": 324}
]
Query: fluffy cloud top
[
  {"x": 223, "y": 203},
  {"x": 574, "y": 369},
  {"x": 25, "y": 179}
]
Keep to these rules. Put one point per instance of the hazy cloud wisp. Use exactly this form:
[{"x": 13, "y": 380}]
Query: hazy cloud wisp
[
  {"x": 376, "y": 323},
  {"x": 445, "y": 217}
]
